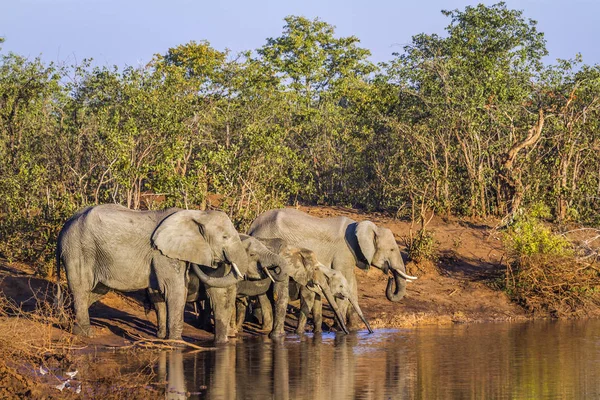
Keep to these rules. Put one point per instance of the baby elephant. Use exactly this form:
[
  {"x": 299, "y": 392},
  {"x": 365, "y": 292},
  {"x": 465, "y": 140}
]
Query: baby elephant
[
  {"x": 309, "y": 280},
  {"x": 261, "y": 263}
]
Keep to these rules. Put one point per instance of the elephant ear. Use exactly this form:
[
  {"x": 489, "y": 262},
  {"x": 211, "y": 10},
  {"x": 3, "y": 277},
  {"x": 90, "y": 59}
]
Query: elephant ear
[
  {"x": 323, "y": 274},
  {"x": 366, "y": 232},
  {"x": 309, "y": 260},
  {"x": 181, "y": 236}
]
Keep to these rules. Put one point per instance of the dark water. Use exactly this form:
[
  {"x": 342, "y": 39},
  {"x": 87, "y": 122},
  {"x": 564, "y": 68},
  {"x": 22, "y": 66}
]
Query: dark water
[{"x": 542, "y": 360}]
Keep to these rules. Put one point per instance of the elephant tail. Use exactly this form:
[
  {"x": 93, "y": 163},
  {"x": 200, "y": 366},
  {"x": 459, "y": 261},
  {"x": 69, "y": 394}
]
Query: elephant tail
[{"x": 58, "y": 300}]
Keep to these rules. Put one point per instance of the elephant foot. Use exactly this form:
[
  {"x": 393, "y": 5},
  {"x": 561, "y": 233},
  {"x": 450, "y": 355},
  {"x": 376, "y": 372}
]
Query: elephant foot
[
  {"x": 161, "y": 334},
  {"x": 318, "y": 329},
  {"x": 277, "y": 336},
  {"x": 221, "y": 339},
  {"x": 83, "y": 330},
  {"x": 300, "y": 331}
]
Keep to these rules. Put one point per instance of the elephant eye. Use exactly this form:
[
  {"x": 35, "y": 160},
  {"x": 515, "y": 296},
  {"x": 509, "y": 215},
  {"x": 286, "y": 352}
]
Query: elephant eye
[
  {"x": 252, "y": 254},
  {"x": 225, "y": 237}
]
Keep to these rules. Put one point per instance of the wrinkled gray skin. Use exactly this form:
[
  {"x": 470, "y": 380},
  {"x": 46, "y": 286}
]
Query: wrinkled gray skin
[
  {"x": 309, "y": 280},
  {"x": 262, "y": 262},
  {"x": 111, "y": 247},
  {"x": 339, "y": 243},
  {"x": 306, "y": 273},
  {"x": 311, "y": 299}
]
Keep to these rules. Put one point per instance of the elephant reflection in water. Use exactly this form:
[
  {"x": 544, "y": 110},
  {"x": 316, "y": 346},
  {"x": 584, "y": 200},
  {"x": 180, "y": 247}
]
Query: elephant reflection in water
[
  {"x": 209, "y": 375},
  {"x": 313, "y": 368},
  {"x": 322, "y": 371},
  {"x": 262, "y": 370},
  {"x": 170, "y": 369}
]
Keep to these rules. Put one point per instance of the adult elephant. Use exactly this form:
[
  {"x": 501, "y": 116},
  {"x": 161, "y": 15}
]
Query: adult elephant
[
  {"x": 262, "y": 263},
  {"x": 339, "y": 243},
  {"x": 111, "y": 247}
]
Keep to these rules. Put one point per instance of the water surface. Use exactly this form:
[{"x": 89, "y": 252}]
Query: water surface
[{"x": 541, "y": 360}]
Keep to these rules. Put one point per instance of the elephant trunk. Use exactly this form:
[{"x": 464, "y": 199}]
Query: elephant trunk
[
  {"x": 398, "y": 293},
  {"x": 211, "y": 281},
  {"x": 275, "y": 260},
  {"x": 237, "y": 255},
  {"x": 360, "y": 314},
  {"x": 253, "y": 288},
  {"x": 331, "y": 300}
]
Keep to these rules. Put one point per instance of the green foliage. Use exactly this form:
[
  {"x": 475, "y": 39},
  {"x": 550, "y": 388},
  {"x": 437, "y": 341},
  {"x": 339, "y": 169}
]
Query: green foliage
[
  {"x": 470, "y": 122},
  {"x": 527, "y": 236},
  {"x": 422, "y": 246}
]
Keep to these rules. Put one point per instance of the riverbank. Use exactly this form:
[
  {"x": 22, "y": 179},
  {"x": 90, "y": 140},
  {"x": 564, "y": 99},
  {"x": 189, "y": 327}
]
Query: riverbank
[{"x": 461, "y": 286}]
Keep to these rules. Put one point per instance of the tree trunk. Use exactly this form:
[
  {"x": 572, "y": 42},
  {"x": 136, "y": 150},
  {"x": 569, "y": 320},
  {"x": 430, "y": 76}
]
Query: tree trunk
[{"x": 510, "y": 174}]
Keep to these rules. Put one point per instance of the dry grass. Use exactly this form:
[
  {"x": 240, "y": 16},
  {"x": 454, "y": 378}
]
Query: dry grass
[
  {"x": 37, "y": 340},
  {"x": 556, "y": 286}
]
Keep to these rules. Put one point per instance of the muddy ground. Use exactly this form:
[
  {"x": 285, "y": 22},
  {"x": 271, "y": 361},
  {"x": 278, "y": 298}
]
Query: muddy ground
[{"x": 460, "y": 287}]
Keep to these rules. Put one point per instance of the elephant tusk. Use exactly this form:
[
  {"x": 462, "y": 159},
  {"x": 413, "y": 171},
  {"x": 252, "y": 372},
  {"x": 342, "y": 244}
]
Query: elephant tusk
[
  {"x": 269, "y": 274},
  {"x": 237, "y": 271},
  {"x": 405, "y": 276}
]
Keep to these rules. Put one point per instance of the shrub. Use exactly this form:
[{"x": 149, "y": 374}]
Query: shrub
[
  {"x": 542, "y": 273},
  {"x": 528, "y": 236},
  {"x": 421, "y": 247}
]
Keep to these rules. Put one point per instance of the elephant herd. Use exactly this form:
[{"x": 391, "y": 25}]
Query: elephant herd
[{"x": 182, "y": 256}]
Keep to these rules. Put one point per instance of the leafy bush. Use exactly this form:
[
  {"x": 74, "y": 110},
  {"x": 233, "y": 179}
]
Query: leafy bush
[
  {"x": 527, "y": 236},
  {"x": 542, "y": 273},
  {"x": 421, "y": 246}
]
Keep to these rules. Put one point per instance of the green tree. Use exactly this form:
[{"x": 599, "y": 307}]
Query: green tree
[{"x": 472, "y": 94}]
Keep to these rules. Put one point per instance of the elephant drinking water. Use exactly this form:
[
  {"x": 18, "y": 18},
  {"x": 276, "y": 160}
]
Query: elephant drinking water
[{"x": 339, "y": 243}]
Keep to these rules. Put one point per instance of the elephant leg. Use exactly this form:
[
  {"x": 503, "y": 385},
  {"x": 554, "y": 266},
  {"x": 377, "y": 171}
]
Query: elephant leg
[
  {"x": 161, "y": 319},
  {"x": 317, "y": 310},
  {"x": 232, "y": 331},
  {"x": 80, "y": 278},
  {"x": 281, "y": 297},
  {"x": 171, "y": 279},
  {"x": 160, "y": 308},
  {"x": 353, "y": 321},
  {"x": 222, "y": 302},
  {"x": 81, "y": 300},
  {"x": 307, "y": 299},
  {"x": 175, "y": 305},
  {"x": 267, "y": 312},
  {"x": 343, "y": 306},
  {"x": 240, "y": 305}
]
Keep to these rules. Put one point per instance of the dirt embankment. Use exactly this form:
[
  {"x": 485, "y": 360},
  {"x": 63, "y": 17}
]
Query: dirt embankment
[{"x": 457, "y": 288}]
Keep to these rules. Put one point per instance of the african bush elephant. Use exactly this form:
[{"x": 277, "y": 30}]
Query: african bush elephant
[
  {"x": 339, "y": 243},
  {"x": 111, "y": 247},
  {"x": 309, "y": 279},
  {"x": 262, "y": 263},
  {"x": 311, "y": 299}
]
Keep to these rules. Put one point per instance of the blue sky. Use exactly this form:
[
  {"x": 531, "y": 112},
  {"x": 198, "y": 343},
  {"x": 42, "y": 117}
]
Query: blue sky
[{"x": 129, "y": 32}]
